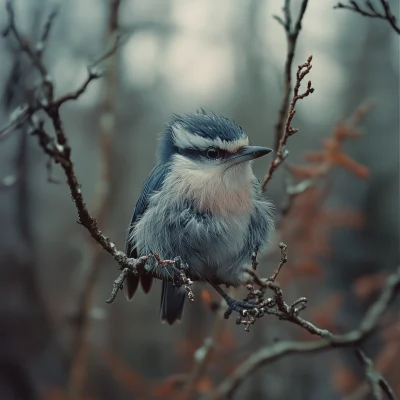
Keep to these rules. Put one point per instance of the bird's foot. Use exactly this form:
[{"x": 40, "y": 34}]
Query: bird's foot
[{"x": 240, "y": 306}]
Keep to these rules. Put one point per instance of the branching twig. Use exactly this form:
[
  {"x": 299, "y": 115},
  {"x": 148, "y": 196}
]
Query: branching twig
[
  {"x": 58, "y": 149},
  {"x": 17, "y": 118},
  {"x": 256, "y": 306},
  {"x": 353, "y": 338},
  {"x": 292, "y": 34},
  {"x": 283, "y": 260},
  {"x": 282, "y": 152},
  {"x": 103, "y": 195},
  {"x": 370, "y": 11},
  {"x": 378, "y": 383},
  {"x": 293, "y": 191},
  {"x": 40, "y": 46}
]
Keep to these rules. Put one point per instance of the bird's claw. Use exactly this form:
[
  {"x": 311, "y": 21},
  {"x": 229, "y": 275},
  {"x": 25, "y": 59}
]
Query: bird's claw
[{"x": 241, "y": 307}]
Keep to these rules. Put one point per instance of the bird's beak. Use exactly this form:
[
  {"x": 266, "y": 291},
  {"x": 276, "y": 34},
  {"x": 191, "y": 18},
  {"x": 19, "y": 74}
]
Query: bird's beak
[{"x": 248, "y": 153}]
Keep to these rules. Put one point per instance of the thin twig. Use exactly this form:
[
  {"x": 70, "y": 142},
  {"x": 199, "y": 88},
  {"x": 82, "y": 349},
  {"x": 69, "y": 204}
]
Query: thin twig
[
  {"x": 378, "y": 383},
  {"x": 291, "y": 35},
  {"x": 104, "y": 196},
  {"x": 283, "y": 260},
  {"x": 302, "y": 71},
  {"x": 40, "y": 46},
  {"x": 370, "y": 11}
]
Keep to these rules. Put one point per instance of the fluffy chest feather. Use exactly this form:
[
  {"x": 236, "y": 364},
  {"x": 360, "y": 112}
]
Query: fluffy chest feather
[{"x": 212, "y": 188}]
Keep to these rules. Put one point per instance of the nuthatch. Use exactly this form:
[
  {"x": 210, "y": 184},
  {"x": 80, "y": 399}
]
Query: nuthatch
[{"x": 202, "y": 203}]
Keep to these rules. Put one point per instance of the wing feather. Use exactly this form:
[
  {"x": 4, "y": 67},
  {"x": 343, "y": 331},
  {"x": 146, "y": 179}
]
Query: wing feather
[{"x": 152, "y": 184}]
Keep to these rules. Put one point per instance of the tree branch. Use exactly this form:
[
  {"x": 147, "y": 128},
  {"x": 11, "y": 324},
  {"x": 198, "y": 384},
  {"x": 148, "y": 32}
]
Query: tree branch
[
  {"x": 378, "y": 383},
  {"x": 353, "y": 338},
  {"x": 291, "y": 35},
  {"x": 370, "y": 11},
  {"x": 302, "y": 71}
]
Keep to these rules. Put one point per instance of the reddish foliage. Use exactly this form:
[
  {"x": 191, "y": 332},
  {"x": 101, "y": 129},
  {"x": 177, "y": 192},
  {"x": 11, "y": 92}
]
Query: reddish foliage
[
  {"x": 129, "y": 379},
  {"x": 54, "y": 393},
  {"x": 392, "y": 331},
  {"x": 227, "y": 340},
  {"x": 204, "y": 385},
  {"x": 169, "y": 388},
  {"x": 185, "y": 346},
  {"x": 344, "y": 380},
  {"x": 388, "y": 354},
  {"x": 324, "y": 314},
  {"x": 332, "y": 153},
  {"x": 206, "y": 297},
  {"x": 367, "y": 285}
]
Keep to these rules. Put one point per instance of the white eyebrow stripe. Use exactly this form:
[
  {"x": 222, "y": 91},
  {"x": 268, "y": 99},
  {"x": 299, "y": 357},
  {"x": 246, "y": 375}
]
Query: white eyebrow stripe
[{"x": 184, "y": 139}]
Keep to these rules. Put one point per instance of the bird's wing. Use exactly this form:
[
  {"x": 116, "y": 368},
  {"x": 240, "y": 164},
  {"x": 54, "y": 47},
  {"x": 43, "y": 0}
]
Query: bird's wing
[{"x": 151, "y": 185}]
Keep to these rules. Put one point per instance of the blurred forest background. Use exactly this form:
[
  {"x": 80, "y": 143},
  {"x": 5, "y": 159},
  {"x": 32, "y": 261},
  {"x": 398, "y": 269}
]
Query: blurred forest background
[{"x": 58, "y": 336}]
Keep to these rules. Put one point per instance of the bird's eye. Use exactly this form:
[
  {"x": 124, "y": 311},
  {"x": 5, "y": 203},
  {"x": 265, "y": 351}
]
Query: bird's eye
[{"x": 212, "y": 153}]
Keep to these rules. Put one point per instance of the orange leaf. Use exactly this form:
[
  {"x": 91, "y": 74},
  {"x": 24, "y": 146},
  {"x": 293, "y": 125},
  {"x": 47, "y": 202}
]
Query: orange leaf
[
  {"x": 386, "y": 356},
  {"x": 308, "y": 267},
  {"x": 324, "y": 314},
  {"x": 168, "y": 387},
  {"x": 206, "y": 297},
  {"x": 348, "y": 218},
  {"x": 315, "y": 157},
  {"x": 303, "y": 172},
  {"x": 352, "y": 165},
  {"x": 128, "y": 378},
  {"x": 366, "y": 285},
  {"x": 204, "y": 385},
  {"x": 54, "y": 393},
  {"x": 227, "y": 339},
  {"x": 344, "y": 380}
]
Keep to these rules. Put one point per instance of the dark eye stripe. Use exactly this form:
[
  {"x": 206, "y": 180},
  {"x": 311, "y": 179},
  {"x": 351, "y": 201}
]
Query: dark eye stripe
[{"x": 204, "y": 153}]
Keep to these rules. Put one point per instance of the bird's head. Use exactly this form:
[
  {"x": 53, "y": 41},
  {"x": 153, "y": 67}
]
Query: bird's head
[
  {"x": 208, "y": 152},
  {"x": 208, "y": 140}
]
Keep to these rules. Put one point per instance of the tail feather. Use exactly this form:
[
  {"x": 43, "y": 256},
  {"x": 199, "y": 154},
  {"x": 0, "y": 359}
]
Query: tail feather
[
  {"x": 130, "y": 285},
  {"x": 146, "y": 282},
  {"x": 172, "y": 302}
]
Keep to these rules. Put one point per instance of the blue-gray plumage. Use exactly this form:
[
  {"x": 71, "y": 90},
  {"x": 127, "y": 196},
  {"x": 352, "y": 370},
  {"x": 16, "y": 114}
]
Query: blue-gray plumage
[{"x": 202, "y": 203}]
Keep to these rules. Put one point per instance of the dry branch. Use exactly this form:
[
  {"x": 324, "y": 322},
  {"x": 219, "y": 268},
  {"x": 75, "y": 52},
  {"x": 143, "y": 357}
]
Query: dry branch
[
  {"x": 351, "y": 339},
  {"x": 57, "y": 147},
  {"x": 378, "y": 383},
  {"x": 292, "y": 34},
  {"x": 369, "y": 10},
  {"x": 81, "y": 348},
  {"x": 302, "y": 71}
]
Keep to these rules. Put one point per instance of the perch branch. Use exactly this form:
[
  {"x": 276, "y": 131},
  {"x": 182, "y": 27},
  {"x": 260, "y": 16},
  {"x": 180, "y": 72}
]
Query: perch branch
[{"x": 367, "y": 326}]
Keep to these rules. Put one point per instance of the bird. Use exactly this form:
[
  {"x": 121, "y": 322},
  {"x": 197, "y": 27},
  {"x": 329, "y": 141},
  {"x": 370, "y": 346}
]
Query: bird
[{"x": 202, "y": 203}]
